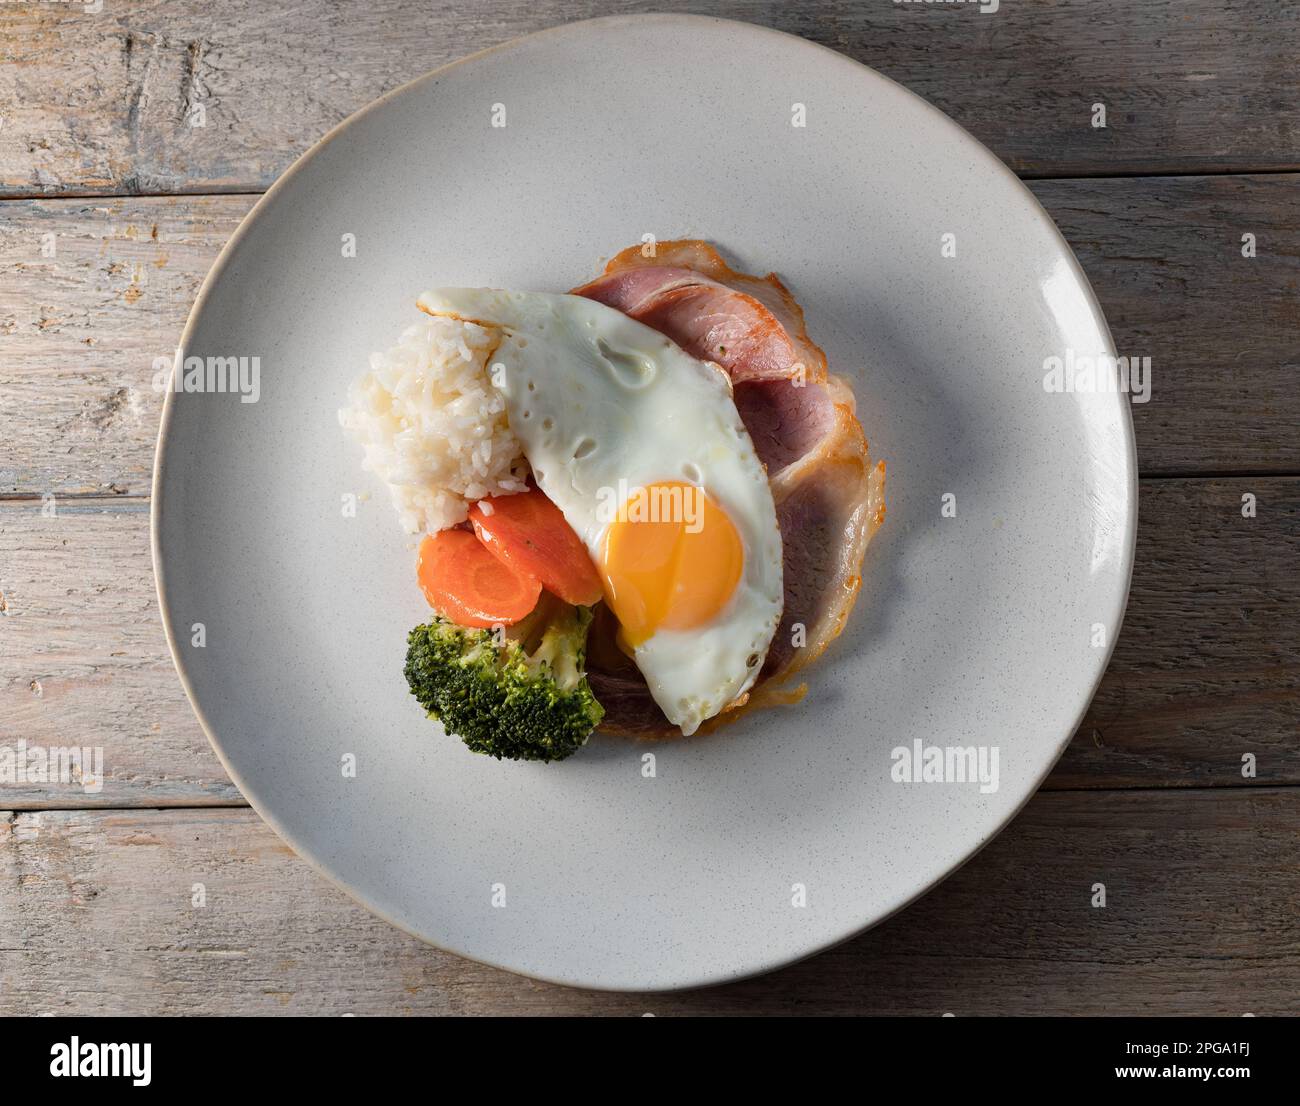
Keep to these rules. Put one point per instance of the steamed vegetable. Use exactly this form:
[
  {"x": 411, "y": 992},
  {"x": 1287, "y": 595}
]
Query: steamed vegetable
[
  {"x": 520, "y": 697},
  {"x": 528, "y": 532},
  {"x": 467, "y": 585}
]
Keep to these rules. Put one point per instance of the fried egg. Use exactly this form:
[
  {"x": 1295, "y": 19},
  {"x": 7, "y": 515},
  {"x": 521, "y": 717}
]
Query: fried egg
[{"x": 641, "y": 447}]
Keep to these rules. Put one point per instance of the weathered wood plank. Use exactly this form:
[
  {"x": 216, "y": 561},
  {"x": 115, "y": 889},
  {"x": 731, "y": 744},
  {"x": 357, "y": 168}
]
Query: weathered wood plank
[
  {"x": 1207, "y": 667},
  {"x": 79, "y": 331},
  {"x": 103, "y": 103},
  {"x": 84, "y": 662},
  {"x": 91, "y": 293},
  {"x": 1222, "y": 330},
  {"x": 100, "y": 919}
]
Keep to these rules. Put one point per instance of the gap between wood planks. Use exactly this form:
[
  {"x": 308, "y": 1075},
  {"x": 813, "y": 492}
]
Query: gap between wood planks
[
  {"x": 1184, "y": 173},
  {"x": 1176, "y": 173},
  {"x": 29, "y": 807}
]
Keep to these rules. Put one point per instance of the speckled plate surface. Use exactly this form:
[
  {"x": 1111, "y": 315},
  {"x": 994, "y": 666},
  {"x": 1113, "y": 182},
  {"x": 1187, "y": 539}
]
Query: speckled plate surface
[{"x": 783, "y": 834}]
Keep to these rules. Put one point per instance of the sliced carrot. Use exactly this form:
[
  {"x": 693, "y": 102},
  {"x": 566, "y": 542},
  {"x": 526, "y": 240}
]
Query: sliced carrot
[
  {"x": 466, "y": 584},
  {"x": 528, "y": 533}
]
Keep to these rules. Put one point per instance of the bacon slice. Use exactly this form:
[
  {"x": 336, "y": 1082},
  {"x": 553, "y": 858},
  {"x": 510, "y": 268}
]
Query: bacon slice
[
  {"x": 830, "y": 498},
  {"x": 787, "y": 422},
  {"x": 749, "y": 325}
]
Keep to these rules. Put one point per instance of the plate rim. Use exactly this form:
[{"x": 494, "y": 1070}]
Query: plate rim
[{"x": 246, "y": 227}]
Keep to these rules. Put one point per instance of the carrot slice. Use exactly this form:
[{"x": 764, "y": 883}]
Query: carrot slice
[
  {"x": 528, "y": 532},
  {"x": 466, "y": 584}
]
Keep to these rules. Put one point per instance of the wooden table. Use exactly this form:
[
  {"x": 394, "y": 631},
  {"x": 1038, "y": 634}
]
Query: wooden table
[{"x": 114, "y": 207}]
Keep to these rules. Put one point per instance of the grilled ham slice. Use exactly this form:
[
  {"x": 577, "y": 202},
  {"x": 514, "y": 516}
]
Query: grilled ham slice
[{"x": 830, "y": 498}]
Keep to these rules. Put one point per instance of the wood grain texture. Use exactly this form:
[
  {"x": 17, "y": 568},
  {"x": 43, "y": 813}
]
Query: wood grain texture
[
  {"x": 83, "y": 659},
  {"x": 100, "y": 919},
  {"x": 1222, "y": 330},
  {"x": 1207, "y": 667},
  {"x": 104, "y": 103},
  {"x": 80, "y": 331}
]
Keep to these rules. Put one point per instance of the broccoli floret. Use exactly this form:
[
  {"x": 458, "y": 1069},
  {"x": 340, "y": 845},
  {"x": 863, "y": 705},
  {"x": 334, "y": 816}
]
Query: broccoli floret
[{"x": 521, "y": 694}]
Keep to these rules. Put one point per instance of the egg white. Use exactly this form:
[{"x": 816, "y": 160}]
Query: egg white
[{"x": 601, "y": 402}]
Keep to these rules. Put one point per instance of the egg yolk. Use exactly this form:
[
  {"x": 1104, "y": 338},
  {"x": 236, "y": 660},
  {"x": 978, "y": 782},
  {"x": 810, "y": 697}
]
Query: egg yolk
[{"x": 670, "y": 560}]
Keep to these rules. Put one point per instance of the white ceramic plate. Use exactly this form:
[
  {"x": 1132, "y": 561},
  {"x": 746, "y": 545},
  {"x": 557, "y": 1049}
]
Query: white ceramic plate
[{"x": 974, "y": 630}]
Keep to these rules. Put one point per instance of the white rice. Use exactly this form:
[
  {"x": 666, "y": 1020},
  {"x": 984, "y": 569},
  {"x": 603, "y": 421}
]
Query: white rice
[{"x": 433, "y": 427}]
